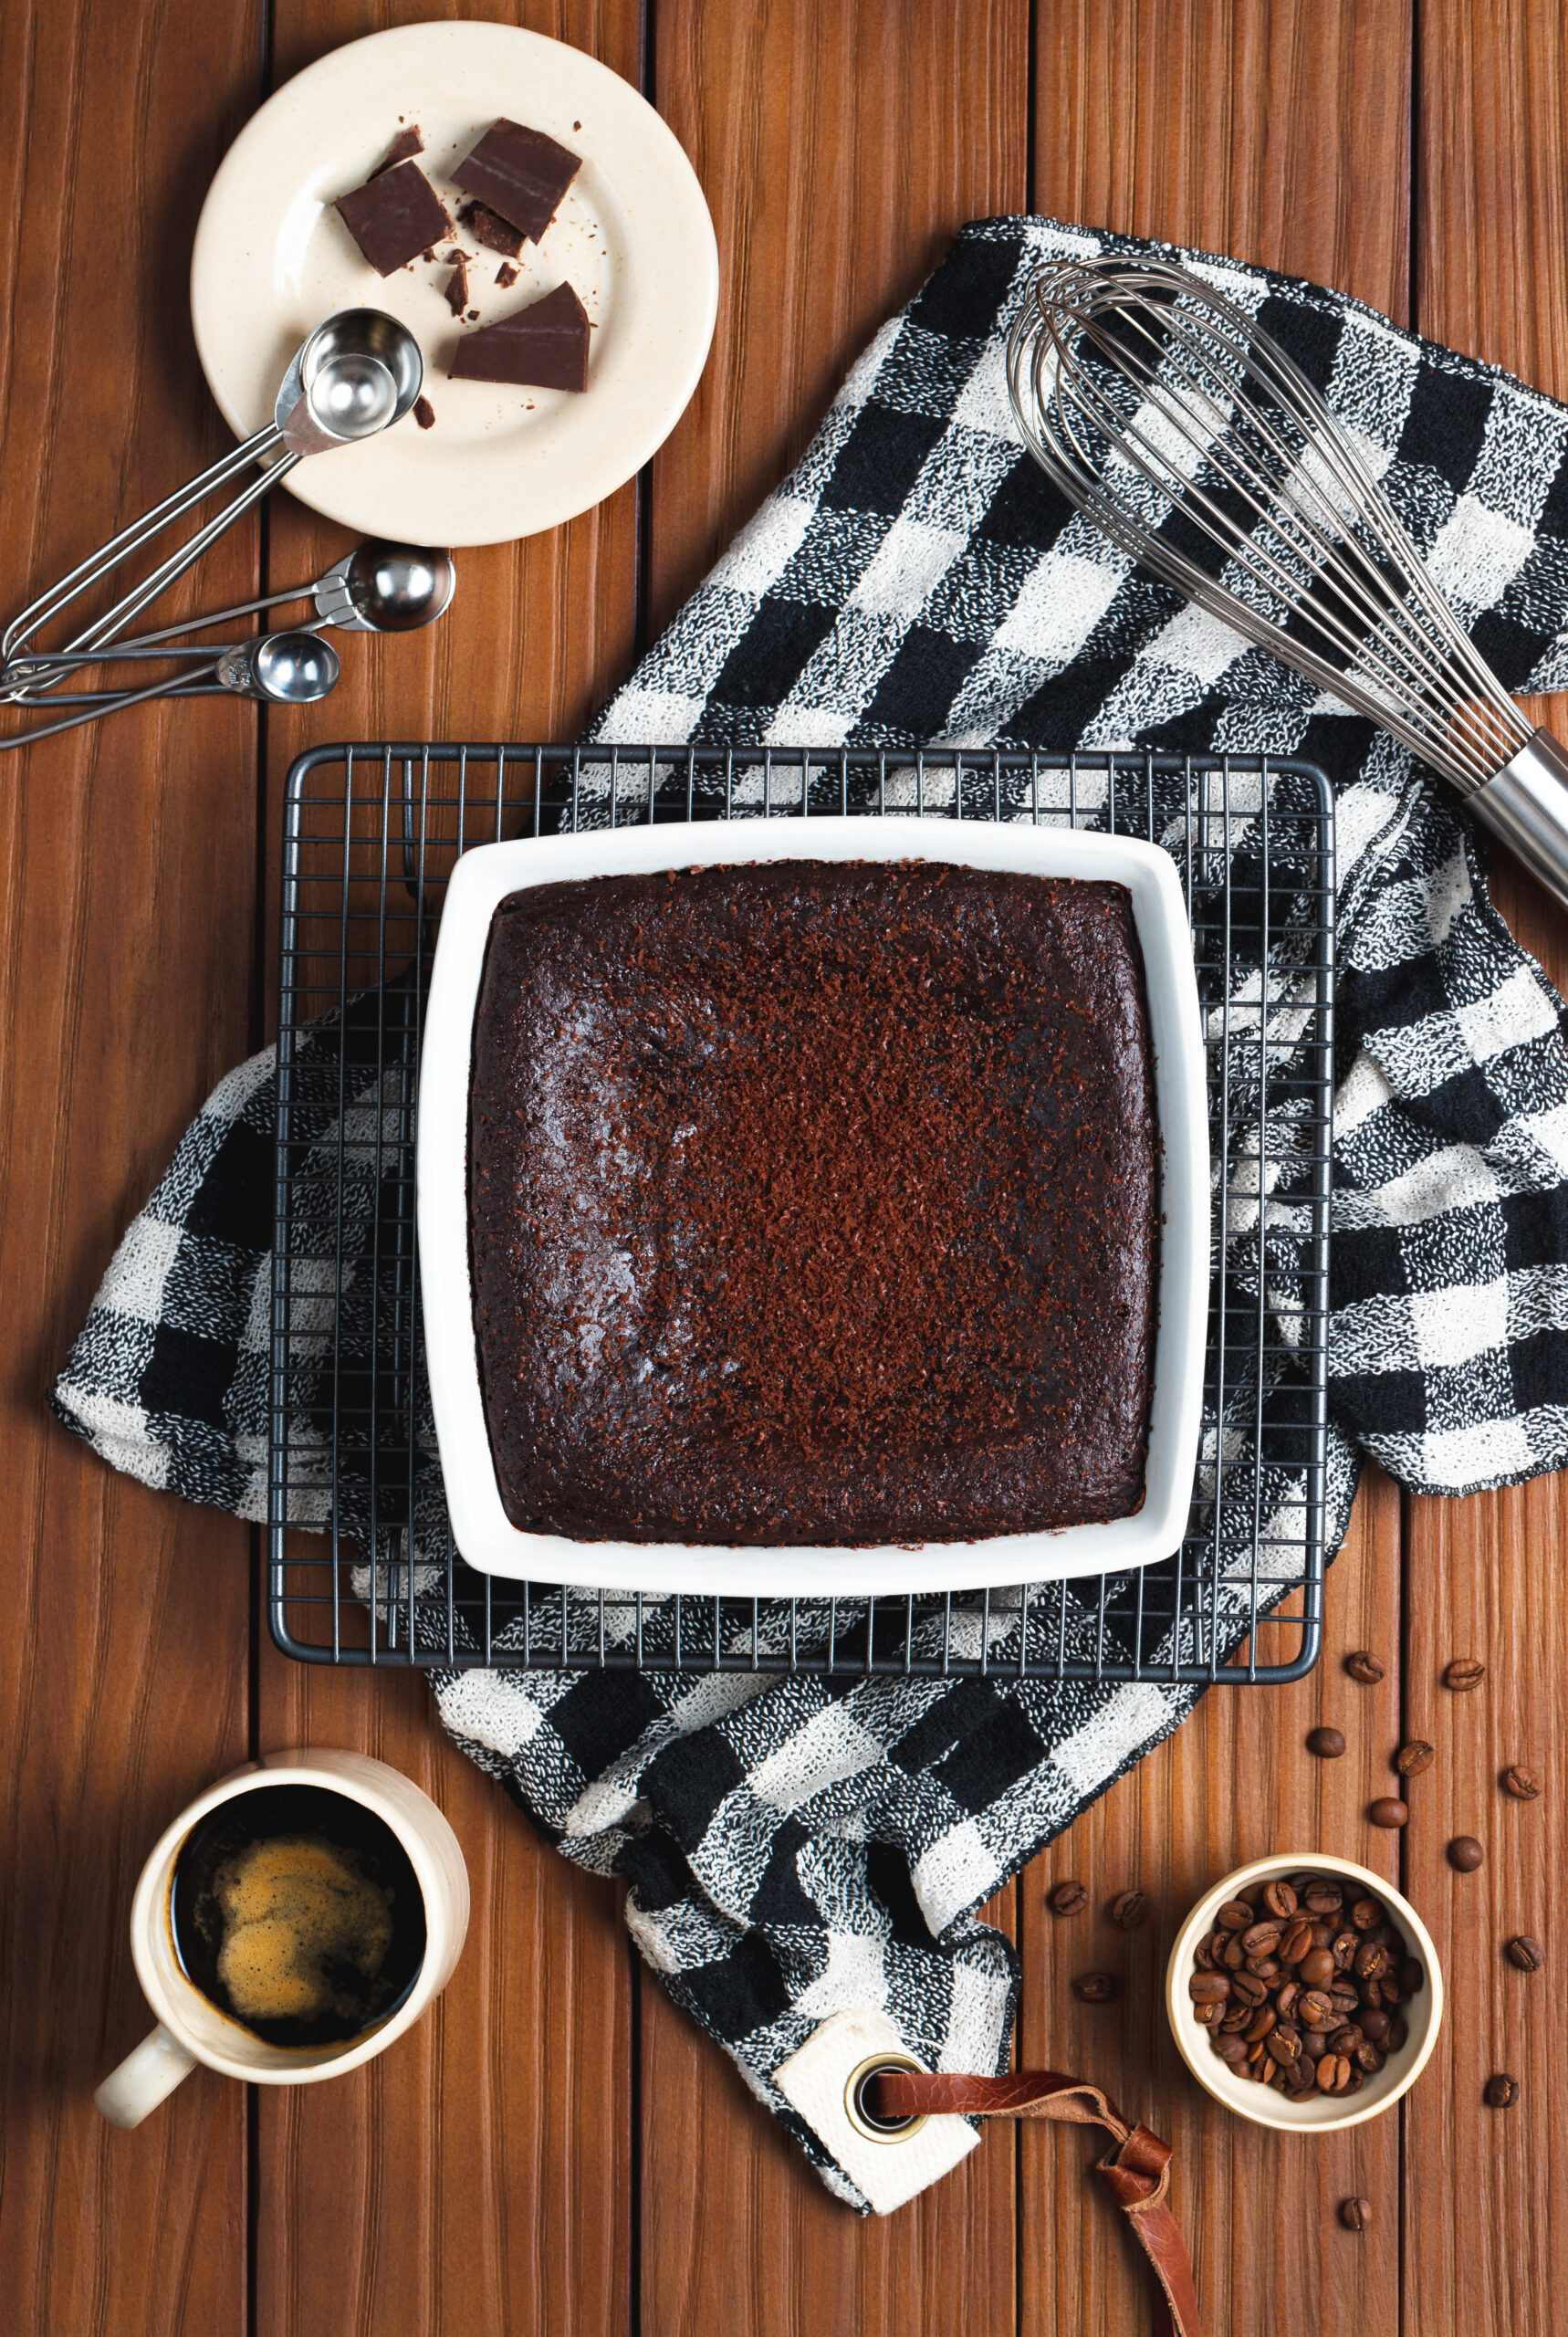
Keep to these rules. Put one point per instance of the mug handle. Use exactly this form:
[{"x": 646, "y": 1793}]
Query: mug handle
[{"x": 143, "y": 2079}]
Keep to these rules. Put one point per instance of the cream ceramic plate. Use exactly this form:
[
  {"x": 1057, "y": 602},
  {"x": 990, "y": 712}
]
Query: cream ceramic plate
[{"x": 633, "y": 235}]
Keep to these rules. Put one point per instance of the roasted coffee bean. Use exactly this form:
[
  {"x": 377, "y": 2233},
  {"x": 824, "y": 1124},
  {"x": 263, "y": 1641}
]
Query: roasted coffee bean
[
  {"x": 1232, "y": 1956},
  {"x": 1325, "y": 1930},
  {"x": 1465, "y": 1671},
  {"x": 1412, "y": 1978},
  {"x": 1283, "y": 2044},
  {"x": 1526, "y": 1953},
  {"x": 1522, "y": 1783},
  {"x": 1128, "y": 1910},
  {"x": 1317, "y": 1967},
  {"x": 1261, "y": 1939},
  {"x": 1364, "y": 1667},
  {"x": 1203, "y": 1956},
  {"x": 1230, "y": 2048},
  {"x": 1368, "y": 2057},
  {"x": 1279, "y": 1900},
  {"x": 1398, "y": 2035},
  {"x": 1208, "y": 1988},
  {"x": 1209, "y": 2013},
  {"x": 1334, "y": 2073},
  {"x": 1314, "y": 2009},
  {"x": 1067, "y": 1897},
  {"x": 1387, "y": 1810},
  {"x": 1102, "y": 1987},
  {"x": 1370, "y": 1961},
  {"x": 1285, "y": 1999},
  {"x": 1355, "y": 2214},
  {"x": 1262, "y": 2022},
  {"x": 1296, "y": 1942},
  {"x": 1343, "y": 2040},
  {"x": 1236, "y": 2017},
  {"x": 1370, "y": 1992},
  {"x": 1501, "y": 2092},
  {"x": 1264, "y": 1967},
  {"x": 1412, "y": 1758},
  {"x": 1247, "y": 1987},
  {"x": 1465, "y": 1854},
  {"x": 1255, "y": 2052},
  {"x": 1344, "y": 1950},
  {"x": 1375, "y": 2026},
  {"x": 1324, "y": 1898},
  {"x": 1235, "y": 1915},
  {"x": 1328, "y": 1743},
  {"x": 1366, "y": 1914}
]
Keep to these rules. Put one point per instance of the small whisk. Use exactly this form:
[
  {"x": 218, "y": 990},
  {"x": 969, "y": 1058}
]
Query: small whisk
[{"x": 1164, "y": 412}]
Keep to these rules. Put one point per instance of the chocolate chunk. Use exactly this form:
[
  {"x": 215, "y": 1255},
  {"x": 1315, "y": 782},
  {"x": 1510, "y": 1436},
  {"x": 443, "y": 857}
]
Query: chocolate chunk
[
  {"x": 487, "y": 226},
  {"x": 394, "y": 216},
  {"x": 505, "y": 275},
  {"x": 520, "y": 173},
  {"x": 425, "y": 413},
  {"x": 407, "y": 142},
  {"x": 457, "y": 285},
  {"x": 543, "y": 346}
]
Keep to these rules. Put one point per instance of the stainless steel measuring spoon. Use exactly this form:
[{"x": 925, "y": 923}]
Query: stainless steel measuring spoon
[
  {"x": 283, "y": 669},
  {"x": 355, "y": 375}
]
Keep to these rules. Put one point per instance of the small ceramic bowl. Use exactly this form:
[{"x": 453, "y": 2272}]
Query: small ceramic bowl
[{"x": 1319, "y": 2113}]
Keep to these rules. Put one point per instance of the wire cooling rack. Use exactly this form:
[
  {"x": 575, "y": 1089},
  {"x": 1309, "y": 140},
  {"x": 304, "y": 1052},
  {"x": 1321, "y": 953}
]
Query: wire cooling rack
[{"x": 373, "y": 833}]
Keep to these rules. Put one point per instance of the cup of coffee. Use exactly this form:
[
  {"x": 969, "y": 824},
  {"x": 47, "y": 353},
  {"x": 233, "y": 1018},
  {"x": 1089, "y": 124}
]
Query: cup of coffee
[{"x": 290, "y": 1925}]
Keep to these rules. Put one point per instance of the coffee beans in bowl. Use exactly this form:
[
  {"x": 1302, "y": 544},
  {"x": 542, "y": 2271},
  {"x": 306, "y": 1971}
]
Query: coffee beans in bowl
[{"x": 1304, "y": 1993}]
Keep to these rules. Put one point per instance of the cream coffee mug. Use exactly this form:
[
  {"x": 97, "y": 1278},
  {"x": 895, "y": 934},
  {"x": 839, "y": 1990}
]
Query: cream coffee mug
[{"x": 190, "y": 2028}]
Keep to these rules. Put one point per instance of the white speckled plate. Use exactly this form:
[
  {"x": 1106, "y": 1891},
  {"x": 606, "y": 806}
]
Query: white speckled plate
[{"x": 633, "y": 236}]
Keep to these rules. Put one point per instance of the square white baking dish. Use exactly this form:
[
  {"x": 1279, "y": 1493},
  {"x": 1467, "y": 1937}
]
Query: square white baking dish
[{"x": 487, "y": 1538}]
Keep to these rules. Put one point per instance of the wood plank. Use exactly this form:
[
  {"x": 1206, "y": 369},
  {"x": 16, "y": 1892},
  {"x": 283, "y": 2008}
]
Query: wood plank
[
  {"x": 1487, "y": 2248},
  {"x": 1279, "y": 133},
  {"x": 486, "y": 2159},
  {"x": 127, "y": 881},
  {"x": 839, "y": 150}
]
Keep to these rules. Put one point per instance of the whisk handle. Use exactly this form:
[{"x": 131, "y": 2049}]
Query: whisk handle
[{"x": 1526, "y": 804}]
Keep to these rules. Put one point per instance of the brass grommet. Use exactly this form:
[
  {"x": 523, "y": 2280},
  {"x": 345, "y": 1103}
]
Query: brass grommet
[{"x": 875, "y": 2129}]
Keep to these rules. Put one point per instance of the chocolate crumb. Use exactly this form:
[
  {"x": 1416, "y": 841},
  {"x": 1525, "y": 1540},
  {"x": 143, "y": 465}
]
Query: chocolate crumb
[
  {"x": 505, "y": 275},
  {"x": 406, "y": 143},
  {"x": 457, "y": 287},
  {"x": 424, "y": 412},
  {"x": 489, "y": 229}
]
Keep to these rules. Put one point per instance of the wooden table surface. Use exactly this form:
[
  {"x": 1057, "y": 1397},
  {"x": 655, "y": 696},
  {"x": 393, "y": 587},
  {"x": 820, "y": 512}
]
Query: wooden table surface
[{"x": 555, "y": 2149}]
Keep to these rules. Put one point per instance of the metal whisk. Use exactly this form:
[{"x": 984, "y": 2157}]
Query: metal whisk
[{"x": 1161, "y": 409}]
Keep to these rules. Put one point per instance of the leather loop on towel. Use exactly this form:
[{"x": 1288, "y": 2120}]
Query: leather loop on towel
[{"x": 1136, "y": 2171}]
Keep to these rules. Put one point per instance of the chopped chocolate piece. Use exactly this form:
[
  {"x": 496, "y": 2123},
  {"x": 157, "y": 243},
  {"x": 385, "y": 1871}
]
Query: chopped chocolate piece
[
  {"x": 505, "y": 275},
  {"x": 487, "y": 226},
  {"x": 394, "y": 216},
  {"x": 457, "y": 285},
  {"x": 543, "y": 346},
  {"x": 473, "y": 316},
  {"x": 407, "y": 142},
  {"x": 424, "y": 413},
  {"x": 520, "y": 173}
]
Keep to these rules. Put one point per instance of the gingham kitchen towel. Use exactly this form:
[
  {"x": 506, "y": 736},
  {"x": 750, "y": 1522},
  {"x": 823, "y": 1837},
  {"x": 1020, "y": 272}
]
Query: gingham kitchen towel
[{"x": 796, "y": 1846}]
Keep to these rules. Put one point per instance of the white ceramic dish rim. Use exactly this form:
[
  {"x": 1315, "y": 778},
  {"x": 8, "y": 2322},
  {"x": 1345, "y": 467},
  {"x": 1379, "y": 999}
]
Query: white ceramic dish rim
[
  {"x": 1321, "y": 2114},
  {"x": 485, "y": 1535},
  {"x": 469, "y": 496}
]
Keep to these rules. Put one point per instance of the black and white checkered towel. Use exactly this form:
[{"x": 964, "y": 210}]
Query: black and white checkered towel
[{"x": 797, "y": 1845}]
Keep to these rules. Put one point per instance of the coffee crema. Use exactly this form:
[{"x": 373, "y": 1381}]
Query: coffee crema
[{"x": 298, "y": 1912}]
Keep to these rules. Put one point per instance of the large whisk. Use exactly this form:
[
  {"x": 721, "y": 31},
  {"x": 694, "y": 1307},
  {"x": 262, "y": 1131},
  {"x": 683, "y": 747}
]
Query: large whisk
[{"x": 1161, "y": 409}]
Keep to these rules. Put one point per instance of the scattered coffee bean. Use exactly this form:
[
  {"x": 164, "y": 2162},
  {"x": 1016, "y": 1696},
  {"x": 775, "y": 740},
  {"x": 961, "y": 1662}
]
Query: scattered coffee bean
[
  {"x": 1128, "y": 1910},
  {"x": 1412, "y": 1758},
  {"x": 1100, "y": 1988},
  {"x": 1068, "y": 1898},
  {"x": 1387, "y": 1810},
  {"x": 1522, "y": 1783},
  {"x": 1328, "y": 1743},
  {"x": 1526, "y": 1953},
  {"x": 1501, "y": 2092},
  {"x": 1465, "y": 1854},
  {"x": 1465, "y": 1671},
  {"x": 1355, "y": 2214},
  {"x": 1364, "y": 1667}
]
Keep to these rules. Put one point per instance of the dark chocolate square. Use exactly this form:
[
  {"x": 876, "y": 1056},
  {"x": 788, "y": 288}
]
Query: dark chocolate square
[
  {"x": 520, "y": 173},
  {"x": 541, "y": 347},
  {"x": 394, "y": 216}
]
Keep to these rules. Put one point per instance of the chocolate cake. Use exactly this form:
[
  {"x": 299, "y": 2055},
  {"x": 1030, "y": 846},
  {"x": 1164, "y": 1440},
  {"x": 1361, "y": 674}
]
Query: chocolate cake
[{"x": 814, "y": 1202}]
